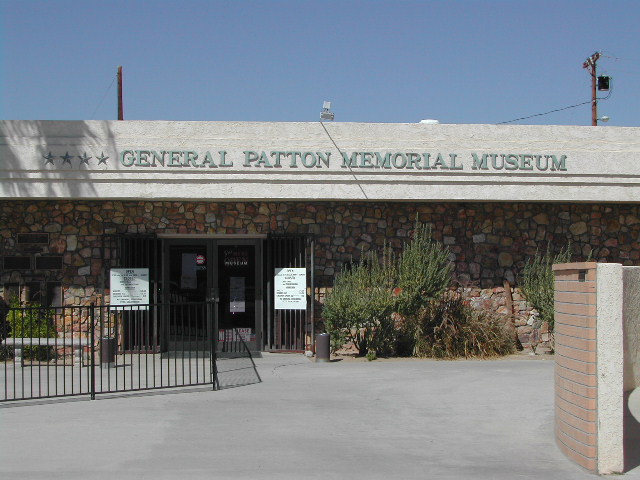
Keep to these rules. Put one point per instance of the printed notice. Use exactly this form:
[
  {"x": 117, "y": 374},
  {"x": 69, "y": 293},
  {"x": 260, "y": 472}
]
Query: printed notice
[
  {"x": 290, "y": 289},
  {"x": 237, "y": 295},
  {"x": 236, "y": 334},
  {"x": 130, "y": 286},
  {"x": 189, "y": 278}
]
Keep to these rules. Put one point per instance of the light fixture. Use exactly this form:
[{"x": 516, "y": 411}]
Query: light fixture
[
  {"x": 326, "y": 113},
  {"x": 604, "y": 118}
]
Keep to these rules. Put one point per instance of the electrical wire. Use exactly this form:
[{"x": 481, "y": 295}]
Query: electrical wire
[
  {"x": 558, "y": 109},
  {"x": 348, "y": 166},
  {"x": 570, "y": 106},
  {"x": 545, "y": 113},
  {"x": 104, "y": 96},
  {"x": 604, "y": 55}
]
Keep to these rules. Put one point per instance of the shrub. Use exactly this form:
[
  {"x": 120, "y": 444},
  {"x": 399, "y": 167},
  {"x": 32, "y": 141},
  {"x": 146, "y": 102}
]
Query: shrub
[
  {"x": 5, "y": 352},
  {"x": 450, "y": 328},
  {"x": 358, "y": 308},
  {"x": 32, "y": 321},
  {"x": 538, "y": 282},
  {"x": 424, "y": 272},
  {"x": 384, "y": 306},
  {"x": 366, "y": 294}
]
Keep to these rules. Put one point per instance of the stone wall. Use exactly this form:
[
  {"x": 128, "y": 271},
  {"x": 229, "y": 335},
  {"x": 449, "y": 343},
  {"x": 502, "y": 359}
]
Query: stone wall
[{"x": 489, "y": 242}]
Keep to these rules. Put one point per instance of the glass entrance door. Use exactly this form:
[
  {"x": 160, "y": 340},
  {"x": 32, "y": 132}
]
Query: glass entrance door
[
  {"x": 237, "y": 287},
  {"x": 195, "y": 269},
  {"x": 189, "y": 280}
]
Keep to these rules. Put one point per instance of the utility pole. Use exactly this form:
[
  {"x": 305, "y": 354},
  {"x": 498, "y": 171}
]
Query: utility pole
[
  {"x": 120, "y": 106},
  {"x": 590, "y": 65}
]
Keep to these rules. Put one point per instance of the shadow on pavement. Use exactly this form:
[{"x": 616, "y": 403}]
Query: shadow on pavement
[
  {"x": 631, "y": 429},
  {"x": 236, "y": 370}
]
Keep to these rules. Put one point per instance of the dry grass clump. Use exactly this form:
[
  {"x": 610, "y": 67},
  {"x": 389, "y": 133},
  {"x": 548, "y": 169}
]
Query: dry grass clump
[{"x": 450, "y": 328}]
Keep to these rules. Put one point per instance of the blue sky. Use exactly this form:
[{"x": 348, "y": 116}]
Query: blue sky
[{"x": 377, "y": 61}]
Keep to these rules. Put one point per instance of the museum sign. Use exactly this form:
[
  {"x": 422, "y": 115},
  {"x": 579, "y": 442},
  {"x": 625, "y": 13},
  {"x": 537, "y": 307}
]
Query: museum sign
[{"x": 348, "y": 160}]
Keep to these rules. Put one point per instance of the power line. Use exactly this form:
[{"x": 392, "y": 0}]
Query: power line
[
  {"x": 547, "y": 113},
  {"x": 103, "y": 97},
  {"x": 590, "y": 65},
  {"x": 348, "y": 166},
  {"x": 559, "y": 109}
]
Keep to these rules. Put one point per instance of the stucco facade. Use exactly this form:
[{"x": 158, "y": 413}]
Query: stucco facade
[{"x": 318, "y": 161}]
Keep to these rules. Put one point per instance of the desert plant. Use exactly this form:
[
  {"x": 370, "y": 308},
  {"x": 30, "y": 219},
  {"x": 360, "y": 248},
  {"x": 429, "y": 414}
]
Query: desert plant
[
  {"x": 538, "y": 282},
  {"x": 366, "y": 294},
  {"x": 358, "y": 308},
  {"x": 449, "y": 327},
  {"x": 423, "y": 273}
]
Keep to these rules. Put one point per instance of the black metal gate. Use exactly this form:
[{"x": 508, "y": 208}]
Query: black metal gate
[
  {"x": 78, "y": 350},
  {"x": 283, "y": 329},
  {"x": 140, "y": 329},
  {"x": 289, "y": 330}
]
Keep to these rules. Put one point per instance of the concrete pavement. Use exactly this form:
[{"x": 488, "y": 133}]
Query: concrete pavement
[{"x": 389, "y": 419}]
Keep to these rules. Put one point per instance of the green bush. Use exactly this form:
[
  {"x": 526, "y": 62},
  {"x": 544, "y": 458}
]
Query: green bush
[
  {"x": 32, "y": 321},
  {"x": 385, "y": 305},
  {"x": 449, "y": 327},
  {"x": 365, "y": 295},
  {"x": 358, "y": 308},
  {"x": 538, "y": 282},
  {"x": 423, "y": 272}
]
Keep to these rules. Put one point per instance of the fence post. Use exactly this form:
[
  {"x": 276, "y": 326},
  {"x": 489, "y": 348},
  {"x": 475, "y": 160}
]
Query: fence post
[
  {"x": 212, "y": 320},
  {"x": 92, "y": 327}
]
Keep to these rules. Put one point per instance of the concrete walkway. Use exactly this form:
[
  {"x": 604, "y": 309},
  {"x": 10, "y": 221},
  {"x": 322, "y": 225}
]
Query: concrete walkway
[{"x": 394, "y": 419}]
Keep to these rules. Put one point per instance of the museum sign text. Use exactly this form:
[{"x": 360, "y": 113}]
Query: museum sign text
[{"x": 347, "y": 160}]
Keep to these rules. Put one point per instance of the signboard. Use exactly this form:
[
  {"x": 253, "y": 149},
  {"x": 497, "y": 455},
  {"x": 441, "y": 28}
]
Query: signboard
[
  {"x": 130, "y": 286},
  {"x": 236, "y": 295},
  {"x": 411, "y": 161},
  {"x": 290, "y": 289},
  {"x": 236, "y": 334},
  {"x": 189, "y": 276}
]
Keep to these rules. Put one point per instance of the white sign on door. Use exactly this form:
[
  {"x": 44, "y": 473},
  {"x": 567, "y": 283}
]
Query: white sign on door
[
  {"x": 237, "y": 294},
  {"x": 290, "y": 289}
]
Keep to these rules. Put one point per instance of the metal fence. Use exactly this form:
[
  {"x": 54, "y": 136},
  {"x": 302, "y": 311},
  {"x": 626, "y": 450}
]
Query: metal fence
[
  {"x": 91, "y": 350},
  {"x": 289, "y": 329}
]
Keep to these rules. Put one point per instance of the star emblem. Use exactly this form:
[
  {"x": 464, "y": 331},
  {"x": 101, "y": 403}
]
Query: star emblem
[
  {"x": 49, "y": 158},
  {"x": 84, "y": 159},
  {"x": 102, "y": 159},
  {"x": 66, "y": 158}
]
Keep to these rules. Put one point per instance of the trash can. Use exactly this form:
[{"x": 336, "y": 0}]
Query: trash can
[
  {"x": 108, "y": 351},
  {"x": 322, "y": 347}
]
